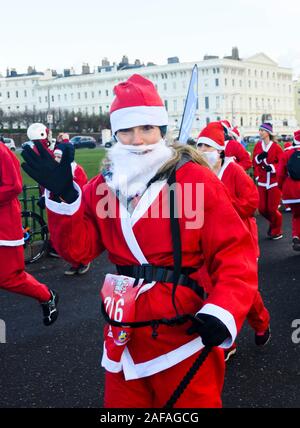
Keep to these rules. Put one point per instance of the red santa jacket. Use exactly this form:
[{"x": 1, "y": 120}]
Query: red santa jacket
[
  {"x": 264, "y": 178},
  {"x": 244, "y": 195},
  {"x": 11, "y": 233},
  {"x": 98, "y": 221},
  {"x": 290, "y": 188},
  {"x": 239, "y": 153}
]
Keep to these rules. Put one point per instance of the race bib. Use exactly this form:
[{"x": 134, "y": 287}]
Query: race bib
[{"x": 119, "y": 297}]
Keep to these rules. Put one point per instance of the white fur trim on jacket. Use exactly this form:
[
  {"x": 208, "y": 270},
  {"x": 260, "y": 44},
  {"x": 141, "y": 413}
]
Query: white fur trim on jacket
[
  {"x": 16, "y": 243},
  {"x": 63, "y": 208},
  {"x": 138, "y": 116},
  {"x": 226, "y": 318}
]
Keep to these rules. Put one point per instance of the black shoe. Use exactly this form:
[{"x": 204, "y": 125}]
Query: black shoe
[
  {"x": 296, "y": 244},
  {"x": 53, "y": 253},
  {"x": 276, "y": 237},
  {"x": 83, "y": 269},
  {"x": 263, "y": 339},
  {"x": 49, "y": 308},
  {"x": 71, "y": 271}
]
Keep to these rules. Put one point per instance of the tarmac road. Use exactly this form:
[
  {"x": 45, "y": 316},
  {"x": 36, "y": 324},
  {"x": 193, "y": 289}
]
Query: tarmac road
[{"x": 59, "y": 366}]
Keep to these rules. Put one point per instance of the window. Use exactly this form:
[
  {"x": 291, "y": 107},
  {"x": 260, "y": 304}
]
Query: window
[
  {"x": 207, "y": 120},
  {"x": 225, "y": 82},
  {"x": 66, "y": 97},
  {"x": 52, "y": 98},
  {"x": 285, "y": 122},
  {"x": 25, "y": 93},
  {"x": 17, "y": 94},
  {"x": 166, "y": 104},
  {"x": 249, "y": 83},
  {"x": 217, "y": 82},
  {"x": 217, "y": 102},
  {"x": 165, "y": 87},
  {"x": 8, "y": 95},
  {"x": 100, "y": 108},
  {"x": 40, "y": 100},
  {"x": 233, "y": 82},
  {"x": 174, "y": 105},
  {"x": 106, "y": 92},
  {"x": 85, "y": 95},
  {"x": 78, "y": 95},
  {"x": 206, "y": 103},
  {"x": 93, "y": 96},
  {"x": 242, "y": 121},
  {"x": 241, "y": 84}
]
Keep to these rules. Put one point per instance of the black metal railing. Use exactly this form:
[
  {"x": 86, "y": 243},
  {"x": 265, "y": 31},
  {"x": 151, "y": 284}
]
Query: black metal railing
[{"x": 29, "y": 198}]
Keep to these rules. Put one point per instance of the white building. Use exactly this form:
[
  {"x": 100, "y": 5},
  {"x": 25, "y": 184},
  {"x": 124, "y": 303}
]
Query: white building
[{"x": 241, "y": 91}]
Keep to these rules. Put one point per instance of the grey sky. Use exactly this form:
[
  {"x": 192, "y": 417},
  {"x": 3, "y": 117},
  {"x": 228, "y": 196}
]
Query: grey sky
[{"x": 63, "y": 33}]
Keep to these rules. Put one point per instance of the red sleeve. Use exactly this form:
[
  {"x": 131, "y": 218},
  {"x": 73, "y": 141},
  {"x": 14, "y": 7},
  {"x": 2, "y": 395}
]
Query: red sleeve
[
  {"x": 230, "y": 257},
  {"x": 256, "y": 167},
  {"x": 80, "y": 176},
  {"x": 76, "y": 237},
  {"x": 246, "y": 197},
  {"x": 10, "y": 176}
]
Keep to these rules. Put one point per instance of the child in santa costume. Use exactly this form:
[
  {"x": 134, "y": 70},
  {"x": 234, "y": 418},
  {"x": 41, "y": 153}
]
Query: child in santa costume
[
  {"x": 290, "y": 186},
  {"x": 245, "y": 199},
  {"x": 233, "y": 147},
  {"x": 266, "y": 157},
  {"x": 12, "y": 274},
  {"x": 81, "y": 179},
  {"x": 129, "y": 211}
]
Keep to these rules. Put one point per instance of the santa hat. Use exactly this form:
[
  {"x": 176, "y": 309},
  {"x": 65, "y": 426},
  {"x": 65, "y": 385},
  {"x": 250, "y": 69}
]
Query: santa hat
[
  {"x": 212, "y": 135},
  {"x": 137, "y": 103},
  {"x": 297, "y": 137},
  {"x": 235, "y": 133},
  {"x": 226, "y": 124},
  {"x": 267, "y": 126}
]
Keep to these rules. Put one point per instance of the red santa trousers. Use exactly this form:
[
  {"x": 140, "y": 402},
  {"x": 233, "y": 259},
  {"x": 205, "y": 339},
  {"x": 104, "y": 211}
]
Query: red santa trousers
[
  {"x": 295, "y": 220},
  {"x": 258, "y": 317},
  {"x": 268, "y": 208},
  {"x": 154, "y": 391},
  {"x": 14, "y": 278}
]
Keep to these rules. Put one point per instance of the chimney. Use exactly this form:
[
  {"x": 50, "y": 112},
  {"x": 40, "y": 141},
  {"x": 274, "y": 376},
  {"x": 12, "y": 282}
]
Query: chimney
[
  {"x": 105, "y": 62},
  {"x": 67, "y": 72},
  {"x": 235, "y": 53},
  {"x": 173, "y": 60},
  {"x": 137, "y": 62},
  {"x": 85, "y": 69},
  {"x": 30, "y": 70}
]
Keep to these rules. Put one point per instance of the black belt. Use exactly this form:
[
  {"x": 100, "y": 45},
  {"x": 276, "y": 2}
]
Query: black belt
[{"x": 151, "y": 273}]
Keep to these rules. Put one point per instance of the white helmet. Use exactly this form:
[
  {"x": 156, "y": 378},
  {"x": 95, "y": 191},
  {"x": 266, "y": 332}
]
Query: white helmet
[{"x": 37, "y": 131}]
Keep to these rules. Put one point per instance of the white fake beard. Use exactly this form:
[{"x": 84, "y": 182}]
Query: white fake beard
[{"x": 134, "y": 166}]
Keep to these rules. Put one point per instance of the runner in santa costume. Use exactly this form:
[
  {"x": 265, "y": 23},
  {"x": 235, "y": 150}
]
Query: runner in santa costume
[
  {"x": 130, "y": 212},
  {"x": 12, "y": 274},
  {"x": 266, "y": 156},
  {"x": 245, "y": 199},
  {"x": 80, "y": 178},
  {"x": 234, "y": 148},
  {"x": 289, "y": 183}
]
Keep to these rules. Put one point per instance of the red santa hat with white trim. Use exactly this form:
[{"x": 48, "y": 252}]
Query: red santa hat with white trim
[
  {"x": 235, "y": 133},
  {"x": 137, "y": 103},
  {"x": 297, "y": 137},
  {"x": 212, "y": 135}
]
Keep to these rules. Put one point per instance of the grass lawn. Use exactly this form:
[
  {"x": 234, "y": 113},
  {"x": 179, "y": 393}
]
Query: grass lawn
[{"x": 89, "y": 159}]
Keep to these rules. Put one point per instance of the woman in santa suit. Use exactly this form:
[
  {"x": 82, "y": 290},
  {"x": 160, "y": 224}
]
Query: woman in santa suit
[
  {"x": 266, "y": 157},
  {"x": 291, "y": 189},
  {"x": 12, "y": 274},
  {"x": 127, "y": 210},
  {"x": 245, "y": 199}
]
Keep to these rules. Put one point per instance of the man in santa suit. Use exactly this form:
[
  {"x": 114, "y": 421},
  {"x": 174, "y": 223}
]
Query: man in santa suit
[
  {"x": 290, "y": 187},
  {"x": 12, "y": 274},
  {"x": 245, "y": 199},
  {"x": 128, "y": 211},
  {"x": 266, "y": 157},
  {"x": 234, "y": 148},
  {"x": 80, "y": 178}
]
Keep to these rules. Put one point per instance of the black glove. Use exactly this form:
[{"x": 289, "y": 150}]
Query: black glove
[
  {"x": 262, "y": 156},
  {"x": 212, "y": 331},
  {"x": 267, "y": 168},
  {"x": 54, "y": 176},
  {"x": 41, "y": 203}
]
